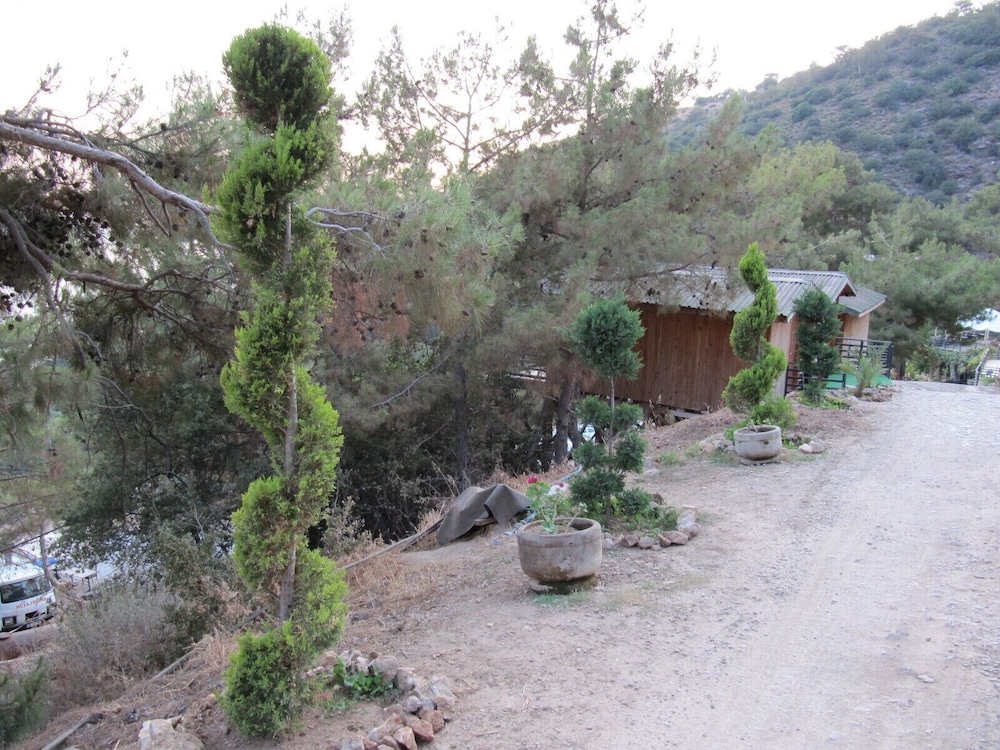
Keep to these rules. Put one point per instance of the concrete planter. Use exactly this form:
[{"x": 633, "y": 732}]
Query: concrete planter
[
  {"x": 758, "y": 443},
  {"x": 564, "y": 556}
]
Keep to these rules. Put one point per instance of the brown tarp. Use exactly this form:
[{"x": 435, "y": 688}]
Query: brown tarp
[{"x": 476, "y": 505}]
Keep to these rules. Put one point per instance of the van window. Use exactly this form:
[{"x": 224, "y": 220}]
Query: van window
[{"x": 15, "y": 592}]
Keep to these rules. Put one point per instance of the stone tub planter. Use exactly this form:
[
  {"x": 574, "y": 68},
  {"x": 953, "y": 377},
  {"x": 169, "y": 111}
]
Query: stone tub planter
[
  {"x": 569, "y": 555},
  {"x": 757, "y": 443}
]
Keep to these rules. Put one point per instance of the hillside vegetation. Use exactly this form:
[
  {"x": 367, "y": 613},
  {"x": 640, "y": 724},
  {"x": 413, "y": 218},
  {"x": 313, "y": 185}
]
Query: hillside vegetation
[{"x": 919, "y": 105}]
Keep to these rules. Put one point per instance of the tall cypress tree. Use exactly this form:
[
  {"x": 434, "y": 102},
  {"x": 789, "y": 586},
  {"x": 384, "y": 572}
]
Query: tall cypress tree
[{"x": 281, "y": 83}]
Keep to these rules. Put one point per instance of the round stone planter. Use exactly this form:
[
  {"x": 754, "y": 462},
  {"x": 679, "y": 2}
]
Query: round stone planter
[
  {"x": 758, "y": 443},
  {"x": 564, "y": 556}
]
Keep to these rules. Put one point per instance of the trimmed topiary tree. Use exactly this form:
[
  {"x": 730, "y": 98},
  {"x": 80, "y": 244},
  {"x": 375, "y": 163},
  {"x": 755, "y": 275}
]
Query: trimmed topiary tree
[
  {"x": 281, "y": 81},
  {"x": 749, "y": 387},
  {"x": 603, "y": 336},
  {"x": 818, "y": 327}
]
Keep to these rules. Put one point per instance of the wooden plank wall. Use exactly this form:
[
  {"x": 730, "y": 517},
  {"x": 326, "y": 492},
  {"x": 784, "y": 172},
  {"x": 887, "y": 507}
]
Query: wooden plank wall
[{"x": 687, "y": 360}]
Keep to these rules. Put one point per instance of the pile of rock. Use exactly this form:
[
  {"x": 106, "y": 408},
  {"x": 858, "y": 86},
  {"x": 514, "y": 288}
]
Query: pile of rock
[
  {"x": 424, "y": 706},
  {"x": 687, "y": 529}
]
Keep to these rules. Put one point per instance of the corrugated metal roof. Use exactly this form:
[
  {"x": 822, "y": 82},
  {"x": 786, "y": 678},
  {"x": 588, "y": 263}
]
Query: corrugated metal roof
[
  {"x": 704, "y": 288},
  {"x": 864, "y": 301}
]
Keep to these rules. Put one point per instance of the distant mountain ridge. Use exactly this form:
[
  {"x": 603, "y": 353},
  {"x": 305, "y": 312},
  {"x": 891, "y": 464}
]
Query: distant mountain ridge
[{"x": 920, "y": 105}]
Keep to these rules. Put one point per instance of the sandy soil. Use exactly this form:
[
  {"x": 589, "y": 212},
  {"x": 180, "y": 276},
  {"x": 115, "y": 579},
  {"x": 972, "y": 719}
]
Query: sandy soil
[{"x": 845, "y": 600}]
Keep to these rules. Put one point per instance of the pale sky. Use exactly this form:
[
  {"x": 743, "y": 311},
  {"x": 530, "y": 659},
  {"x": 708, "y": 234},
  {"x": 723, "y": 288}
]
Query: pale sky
[{"x": 752, "y": 39}]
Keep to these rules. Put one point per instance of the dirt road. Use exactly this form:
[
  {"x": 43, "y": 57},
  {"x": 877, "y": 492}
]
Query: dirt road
[{"x": 848, "y": 600}]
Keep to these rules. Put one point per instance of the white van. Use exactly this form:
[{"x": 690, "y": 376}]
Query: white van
[{"x": 26, "y": 596}]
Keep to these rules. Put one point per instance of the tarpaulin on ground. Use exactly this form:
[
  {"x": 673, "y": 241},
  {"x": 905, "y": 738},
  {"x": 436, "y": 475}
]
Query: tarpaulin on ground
[{"x": 476, "y": 506}]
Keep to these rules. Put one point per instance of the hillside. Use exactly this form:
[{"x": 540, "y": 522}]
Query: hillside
[{"x": 920, "y": 105}]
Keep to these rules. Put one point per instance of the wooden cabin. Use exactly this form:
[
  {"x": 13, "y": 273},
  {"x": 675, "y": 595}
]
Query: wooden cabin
[{"x": 688, "y": 316}]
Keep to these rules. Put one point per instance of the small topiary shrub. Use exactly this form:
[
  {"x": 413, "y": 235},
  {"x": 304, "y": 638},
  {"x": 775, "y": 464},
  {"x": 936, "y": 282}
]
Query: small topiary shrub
[{"x": 603, "y": 336}]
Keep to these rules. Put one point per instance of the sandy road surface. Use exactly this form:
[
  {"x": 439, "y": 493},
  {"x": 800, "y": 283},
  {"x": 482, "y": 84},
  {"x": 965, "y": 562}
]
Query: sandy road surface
[{"x": 849, "y": 600}]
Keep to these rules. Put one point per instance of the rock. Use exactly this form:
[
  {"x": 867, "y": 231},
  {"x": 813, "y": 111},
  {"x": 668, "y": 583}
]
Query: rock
[
  {"x": 412, "y": 704},
  {"x": 387, "y": 729},
  {"x": 687, "y": 521},
  {"x": 434, "y": 718},
  {"x": 159, "y": 734},
  {"x": 354, "y": 743},
  {"x": 646, "y": 542},
  {"x": 405, "y": 738},
  {"x": 386, "y": 667},
  {"x": 813, "y": 446},
  {"x": 925, "y": 678},
  {"x": 422, "y": 729},
  {"x": 630, "y": 540},
  {"x": 677, "y": 537},
  {"x": 404, "y": 680},
  {"x": 714, "y": 444},
  {"x": 664, "y": 542}
]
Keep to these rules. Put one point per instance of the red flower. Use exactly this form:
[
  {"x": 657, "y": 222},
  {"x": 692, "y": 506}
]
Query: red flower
[{"x": 532, "y": 480}]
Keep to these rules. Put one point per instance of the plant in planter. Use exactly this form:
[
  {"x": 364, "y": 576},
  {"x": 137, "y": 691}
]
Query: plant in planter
[
  {"x": 550, "y": 504},
  {"x": 749, "y": 390},
  {"x": 560, "y": 546}
]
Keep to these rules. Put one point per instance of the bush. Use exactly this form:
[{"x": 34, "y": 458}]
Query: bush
[
  {"x": 634, "y": 503},
  {"x": 263, "y": 687},
  {"x": 819, "y": 95},
  {"x": 899, "y": 92},
  {"x": 774, "y": 410},
  {"x": 817, "y": 357},
  {"x": 802, "y": 111},
  {"x": 122, "y": 634},
  {"x": 966, "y": 132},
  {"x": 955, "y": 86}
]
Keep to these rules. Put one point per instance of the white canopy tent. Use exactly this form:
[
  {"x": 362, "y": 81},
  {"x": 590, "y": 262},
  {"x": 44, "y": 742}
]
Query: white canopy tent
[{"x": 988, "y": 320}]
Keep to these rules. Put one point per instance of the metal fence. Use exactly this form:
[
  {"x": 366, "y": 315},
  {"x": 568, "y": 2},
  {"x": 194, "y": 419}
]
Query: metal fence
[{"x": 850, "y": 349}]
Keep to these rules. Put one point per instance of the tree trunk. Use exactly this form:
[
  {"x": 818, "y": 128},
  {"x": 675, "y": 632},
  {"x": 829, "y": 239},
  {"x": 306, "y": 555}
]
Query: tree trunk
[
  {"x": 286, "y": 586},
  {"x": 462, "y": 438},
  {"x": 564, "y": 416}
]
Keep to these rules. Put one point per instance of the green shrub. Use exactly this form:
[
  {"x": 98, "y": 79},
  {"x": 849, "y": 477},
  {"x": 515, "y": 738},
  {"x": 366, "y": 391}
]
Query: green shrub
[
  {"x": 866, "y": 370},
  {"x": 818, "y": 327},
  {"x": 634, "y": 502},
  {"x": 603, "y": 336},
  {"x": 966, "y": 132},
  {"x": 775, "y": 410},
  {"x": 360, "y": 685},
  {"x": 595, "y": 489},
  {"x": 819, "y": 95},
  {"x": 263, "y": 686},
  {"x": 955, "y": 86},
  {"x": 802, "y": 111}
]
